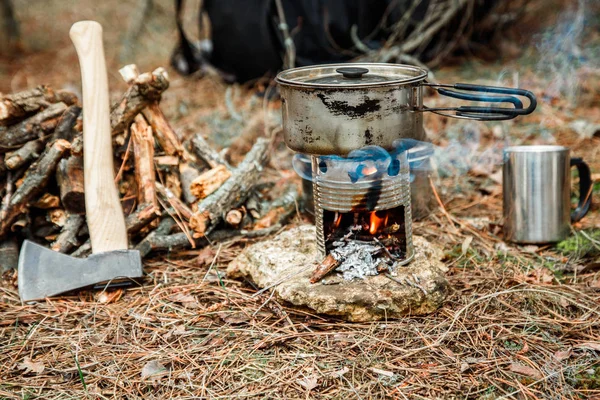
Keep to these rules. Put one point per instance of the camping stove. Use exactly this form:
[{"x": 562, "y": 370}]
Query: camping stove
[
  {"x": 350, "y": 119},
  {"x": 362, "y": 206}
]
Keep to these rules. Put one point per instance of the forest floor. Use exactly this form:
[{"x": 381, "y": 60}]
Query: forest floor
[{"x": 519, "y": 321}]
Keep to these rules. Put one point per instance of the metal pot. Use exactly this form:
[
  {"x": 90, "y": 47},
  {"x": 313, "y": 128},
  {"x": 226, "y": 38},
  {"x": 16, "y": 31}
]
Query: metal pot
[{"x": 334, "y": 109}]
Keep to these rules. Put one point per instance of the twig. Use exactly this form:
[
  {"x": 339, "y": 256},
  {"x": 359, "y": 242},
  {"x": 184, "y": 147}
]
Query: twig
[
  {"x": 290, "y": 48},
  {"x": 437, "y": 197}
]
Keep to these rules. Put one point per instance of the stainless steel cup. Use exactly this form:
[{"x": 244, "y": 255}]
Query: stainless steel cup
[{"x": 537, "y": 193}]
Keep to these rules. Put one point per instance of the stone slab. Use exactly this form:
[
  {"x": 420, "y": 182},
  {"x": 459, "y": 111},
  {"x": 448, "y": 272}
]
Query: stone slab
[{"x": 289, "y": 259}]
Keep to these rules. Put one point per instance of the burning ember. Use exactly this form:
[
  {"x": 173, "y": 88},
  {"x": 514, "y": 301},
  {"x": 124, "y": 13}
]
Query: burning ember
[{"x": 365, "y": 243}]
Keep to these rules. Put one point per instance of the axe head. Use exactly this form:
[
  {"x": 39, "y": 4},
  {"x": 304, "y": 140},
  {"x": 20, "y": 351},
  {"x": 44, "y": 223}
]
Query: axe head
[{"x": 44, "y": 273}]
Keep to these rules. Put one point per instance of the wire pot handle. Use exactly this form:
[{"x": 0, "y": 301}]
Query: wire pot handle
[{"x": 488, "y": 94}]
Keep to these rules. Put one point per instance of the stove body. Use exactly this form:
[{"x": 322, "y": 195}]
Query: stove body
[{"x": 366, "y": 200}]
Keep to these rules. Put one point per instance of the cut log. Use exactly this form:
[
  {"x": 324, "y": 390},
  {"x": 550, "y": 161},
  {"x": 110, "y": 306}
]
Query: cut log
[
  {"x": 280, "y": 209},
  {"x": 34, "y": 127},
  {"x": 146, "y": 89},
  {"x": 166, "y": 162},
  {"x": 235, "y": 217},
  {"x": 33, "y": 183},
  {"x": 46, "y": 202},
  {"x": 18, "y": 106},
  {"x": 187, "y": 174},
  {"x": 209, "y": 181},
  {"x": 23, "y": 156},
  {"x": 57, "y": 216},
  {"x": 69, "y": 176},
  {"x": 157, "y": 241},
  {"x": 144, "y": 215},
  {"x": 67, "y": 239},
  {"x": 166, "y": 136},
  {"x": 173, "y": 183},
  {"x": 148, "y": 244},
  {"x": 64, "y": 96},
  {"x": 206, "y": 153},
  {"x": 233, "y": 192},
  {"x": 129, "y": 73},
  {"x": 180, "y": 207},
  {"x": 136, "y": 221},
  {"x": 9, "y": 254},
  {"x": 67, "y": 127},
  {"x": 77, "y": 146},
  {"x": 143, "y": 154}
]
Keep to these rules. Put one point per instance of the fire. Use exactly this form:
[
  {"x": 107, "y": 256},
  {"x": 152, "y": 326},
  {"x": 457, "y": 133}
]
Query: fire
[
  {"x": 338, "y": 220},
  {"x": 377, "y": 222}
]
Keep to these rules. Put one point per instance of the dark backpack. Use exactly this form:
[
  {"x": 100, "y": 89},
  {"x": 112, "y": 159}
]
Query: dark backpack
[{"x": 247, "y": 42}]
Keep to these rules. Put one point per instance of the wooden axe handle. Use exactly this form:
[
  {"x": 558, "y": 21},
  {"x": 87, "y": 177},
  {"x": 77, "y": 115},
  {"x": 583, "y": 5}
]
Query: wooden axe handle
[{"x": 104, "y": 214}]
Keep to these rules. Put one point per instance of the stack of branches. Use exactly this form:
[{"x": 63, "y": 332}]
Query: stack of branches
[
  {"x": 429, "y": 31},
  {"x": 174, "y": 193}
]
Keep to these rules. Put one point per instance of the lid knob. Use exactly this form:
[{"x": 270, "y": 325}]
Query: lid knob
[{"x": 352, "y": 72}]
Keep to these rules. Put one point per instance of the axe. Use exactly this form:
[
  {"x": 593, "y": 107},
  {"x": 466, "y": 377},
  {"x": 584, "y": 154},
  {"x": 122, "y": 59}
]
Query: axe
[{"x": 42, "y": 272}]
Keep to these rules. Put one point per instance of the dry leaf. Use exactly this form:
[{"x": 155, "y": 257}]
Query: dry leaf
[
  {"x": 525, "y": 370},
  {"x": 30, "y": 366},
  {"x": 205, "y": 256},
  {"x": 154, "y": 370},
  {"x": 525, "y": 348},
  {"x": 540, "y": 275},
  {"x": 308, "y": 383},
  {"x": 530, "y": 249},
  {"x": 383, "y": 372},
  {"x": 466, "y": 244},
  {"x": 186, "y": 300},
  {"x": 448, "y": 352},
  {"x": 589, "y": 345},
  {"x": 235, "y": 318},
  {"x": 339, "y": 373},
  {"x": 563, "y": 355},
  {"x": 180, "y": 330},
  {"x": 111, "y": 296}
]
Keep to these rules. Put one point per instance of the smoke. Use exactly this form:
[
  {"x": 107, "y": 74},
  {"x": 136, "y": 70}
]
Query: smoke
[{"x": 562, "y": 53}]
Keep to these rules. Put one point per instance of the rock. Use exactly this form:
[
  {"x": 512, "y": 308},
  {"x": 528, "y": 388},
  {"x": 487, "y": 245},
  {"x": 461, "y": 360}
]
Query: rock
[{"x": 289, "y": 259}]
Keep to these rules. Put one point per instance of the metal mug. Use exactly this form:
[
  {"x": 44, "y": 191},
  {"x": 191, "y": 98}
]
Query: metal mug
[{"x": 537, "y": 193}]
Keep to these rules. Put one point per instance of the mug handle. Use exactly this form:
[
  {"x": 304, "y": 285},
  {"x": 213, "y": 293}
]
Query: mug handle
[{"x": 585, "y": 189}]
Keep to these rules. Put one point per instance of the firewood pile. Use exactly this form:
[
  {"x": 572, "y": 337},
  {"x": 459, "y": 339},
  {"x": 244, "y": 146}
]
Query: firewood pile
[{"x": 175, "y": 192}]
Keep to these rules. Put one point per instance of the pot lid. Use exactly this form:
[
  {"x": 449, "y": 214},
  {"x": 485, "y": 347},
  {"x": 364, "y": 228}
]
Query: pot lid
[{"x": 353, "y": 75}]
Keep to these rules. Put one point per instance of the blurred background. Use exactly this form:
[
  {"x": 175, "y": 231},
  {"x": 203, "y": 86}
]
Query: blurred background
[
  {"x": 546, "y": 36},
  {"x": 222, "y": 53}
]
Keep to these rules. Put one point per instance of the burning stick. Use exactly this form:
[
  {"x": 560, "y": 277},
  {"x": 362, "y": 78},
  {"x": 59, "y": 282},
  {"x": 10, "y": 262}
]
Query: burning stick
[
  {"x": 385, "y": 249},
  {"x": 326, "y": 266}
]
